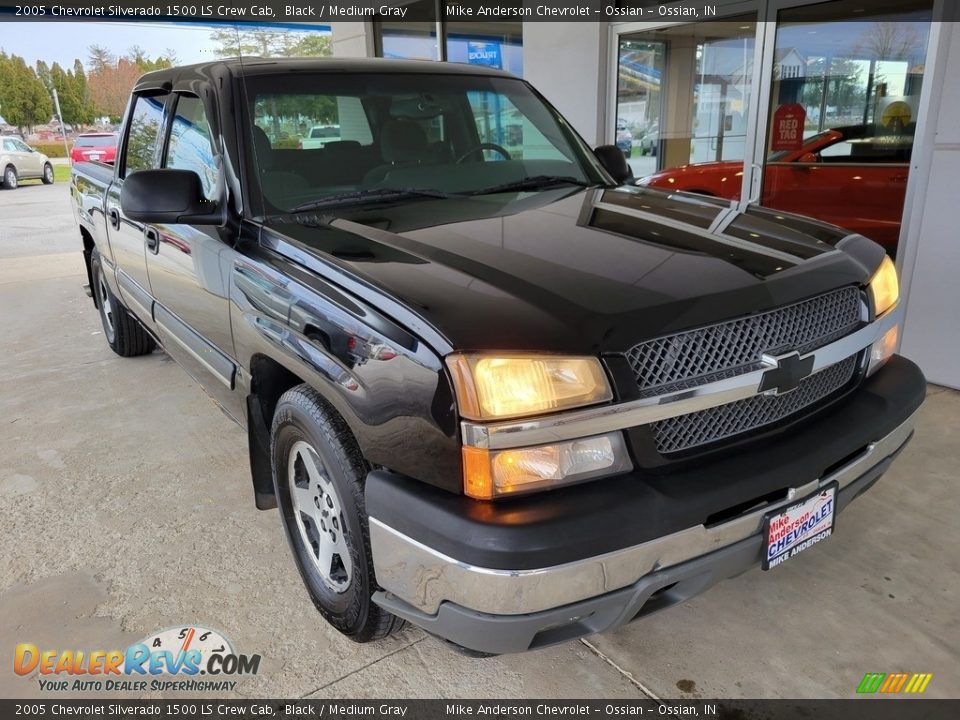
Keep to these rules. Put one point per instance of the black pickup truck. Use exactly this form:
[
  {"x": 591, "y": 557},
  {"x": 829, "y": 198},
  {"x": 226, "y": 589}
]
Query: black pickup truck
[{"x": 493, "y": 389}]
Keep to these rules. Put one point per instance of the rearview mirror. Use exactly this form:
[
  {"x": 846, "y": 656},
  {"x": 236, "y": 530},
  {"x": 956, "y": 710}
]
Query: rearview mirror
[
  {"x": 167, "y": 196},
  {"x": 614, "y": 162}
]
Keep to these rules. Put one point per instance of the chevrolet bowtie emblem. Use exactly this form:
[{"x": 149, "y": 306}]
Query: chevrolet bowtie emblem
[{"x": 785, "y": 373}]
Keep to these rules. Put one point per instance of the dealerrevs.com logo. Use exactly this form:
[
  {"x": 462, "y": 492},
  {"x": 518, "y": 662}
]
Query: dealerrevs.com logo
[{"x": 171, "y": 659}]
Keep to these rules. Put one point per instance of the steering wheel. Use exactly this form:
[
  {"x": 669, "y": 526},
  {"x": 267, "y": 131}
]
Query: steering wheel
[{"x": 484, "y": 146}]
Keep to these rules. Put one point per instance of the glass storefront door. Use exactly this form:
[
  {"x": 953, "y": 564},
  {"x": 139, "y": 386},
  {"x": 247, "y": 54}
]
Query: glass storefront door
[
  {"x": 683, "y": 94},
  {"x": 825, "y": 128},
  {"x": 844, "y": 99}
]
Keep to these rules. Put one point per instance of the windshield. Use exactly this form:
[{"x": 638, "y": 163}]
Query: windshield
[
  {"x": 96, "y": 141},
  {"x": 449, "y": 134}
]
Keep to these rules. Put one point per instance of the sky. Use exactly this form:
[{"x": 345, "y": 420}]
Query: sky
[{"x": 63, "y": 42}]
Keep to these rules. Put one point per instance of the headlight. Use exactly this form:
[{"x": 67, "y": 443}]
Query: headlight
[
  {"x": 495, "y": 387},
  {"x": 884, "y": 287},
  {"x": 489, "y": 474}
]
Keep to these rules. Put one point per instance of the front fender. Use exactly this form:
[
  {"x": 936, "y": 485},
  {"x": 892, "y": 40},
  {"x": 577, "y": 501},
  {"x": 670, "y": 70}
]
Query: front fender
[{"x": 390, "y": 387}]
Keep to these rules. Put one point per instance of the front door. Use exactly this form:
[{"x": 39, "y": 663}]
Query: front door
[
  {"x": 186, "y": 266},
  {"x": 29, "y": 161},
  {"x": 127, "y": 241}
]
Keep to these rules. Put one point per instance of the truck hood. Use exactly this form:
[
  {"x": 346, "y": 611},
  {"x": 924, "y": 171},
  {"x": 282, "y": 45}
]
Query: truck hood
[{"x": 577, "y": 270}]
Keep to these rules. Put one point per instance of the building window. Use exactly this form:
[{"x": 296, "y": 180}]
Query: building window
[
  {"x": 410, "y": 39},
  {"x": 493, "y": 44}
]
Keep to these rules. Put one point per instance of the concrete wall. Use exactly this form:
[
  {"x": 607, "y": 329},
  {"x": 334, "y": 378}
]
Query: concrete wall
[
  {"x": 566, "y": 61},
  {"x": 351, "y": 39},
  {"x": 931, "y": 263}
]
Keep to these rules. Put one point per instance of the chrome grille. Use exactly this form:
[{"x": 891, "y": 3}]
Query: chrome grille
[
  {"x": 707, "y": 354},
  {"x": 727, "y": 421}
]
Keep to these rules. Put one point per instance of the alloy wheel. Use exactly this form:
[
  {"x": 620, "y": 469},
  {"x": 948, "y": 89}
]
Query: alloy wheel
[{"x": 319, "y": 516}]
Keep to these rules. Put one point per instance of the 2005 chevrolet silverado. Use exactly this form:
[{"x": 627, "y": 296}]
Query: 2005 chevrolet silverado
[{"x": 493, "y": 390}]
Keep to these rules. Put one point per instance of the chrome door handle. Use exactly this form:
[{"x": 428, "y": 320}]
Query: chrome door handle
[
  {"x": 114, "y": 218},
  {"x": 152, "y": 238}
]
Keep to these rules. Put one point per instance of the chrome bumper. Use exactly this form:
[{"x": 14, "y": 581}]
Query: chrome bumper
[{"x": 423, "y": 578}]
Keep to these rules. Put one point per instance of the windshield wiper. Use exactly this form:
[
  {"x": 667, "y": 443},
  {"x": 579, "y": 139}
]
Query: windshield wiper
[
  {"x": 536, "y": 182},
  {"x": 372, "y": 194}
]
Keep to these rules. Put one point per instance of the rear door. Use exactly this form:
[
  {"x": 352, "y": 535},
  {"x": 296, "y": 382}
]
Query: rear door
[
  {"x": 186, "y": 262},
  {"x": 127, "y": 239}
]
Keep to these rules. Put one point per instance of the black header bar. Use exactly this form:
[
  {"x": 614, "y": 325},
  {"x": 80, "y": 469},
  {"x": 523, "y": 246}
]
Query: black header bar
[
  {"x": 323, "y": 12},
  {"x": 48, "y": 708}
]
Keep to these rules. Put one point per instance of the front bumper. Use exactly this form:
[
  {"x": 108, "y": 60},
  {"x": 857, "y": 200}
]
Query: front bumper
[{"x": 511, "y": 604}]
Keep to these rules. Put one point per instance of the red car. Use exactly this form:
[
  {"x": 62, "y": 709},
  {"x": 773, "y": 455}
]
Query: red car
[
  {"x": 854, "y": 177},
  {"x": 95, "y": 147}
]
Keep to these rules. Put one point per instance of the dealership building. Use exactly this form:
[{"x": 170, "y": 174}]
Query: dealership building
[{"x": 847, "y": 110}]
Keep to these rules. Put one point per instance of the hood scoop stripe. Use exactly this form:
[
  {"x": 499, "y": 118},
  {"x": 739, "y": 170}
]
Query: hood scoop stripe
[{"x": 742, "y": 245}]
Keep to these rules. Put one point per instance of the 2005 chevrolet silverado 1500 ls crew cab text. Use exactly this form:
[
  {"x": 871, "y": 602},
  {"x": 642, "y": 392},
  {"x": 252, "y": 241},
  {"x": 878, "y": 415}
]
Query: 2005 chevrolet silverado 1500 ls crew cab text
[{"x": 492, "y": 390}]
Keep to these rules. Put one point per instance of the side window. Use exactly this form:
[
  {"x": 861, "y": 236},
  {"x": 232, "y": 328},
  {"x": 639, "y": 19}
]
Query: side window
[
  {"x": 190, "y": 146},
  {"x": 143, "y": 133},
  {"x": 8, "y": 146},
  {"x": 885, "y": 147},
  {"x": 21, "y": 146}
]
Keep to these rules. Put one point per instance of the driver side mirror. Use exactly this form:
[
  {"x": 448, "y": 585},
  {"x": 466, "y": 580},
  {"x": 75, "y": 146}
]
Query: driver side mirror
[
  {"x": 808, "y": 158},
  {"x": 614, "y": 162},
  {"x": 167, "y": 196}
]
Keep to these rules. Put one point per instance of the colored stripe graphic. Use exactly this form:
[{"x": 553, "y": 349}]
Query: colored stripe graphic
[
  {"x": 894, "y": 683},
  {"x": 871, "y": 682},
  {"x": 918, "y": 683}
]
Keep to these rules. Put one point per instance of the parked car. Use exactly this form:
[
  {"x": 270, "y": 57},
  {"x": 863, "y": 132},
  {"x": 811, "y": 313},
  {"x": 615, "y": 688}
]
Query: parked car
[
  {"x": 624, "y": 139},
  {"x": 95, "y": 147},
  {"x": 19, "y": 161},
  {"x": 649, "y": 139},
  {"x": 854, "y": 177},
  {"x": 513, "y": 401},
  {"x": 319, "y": 136}
]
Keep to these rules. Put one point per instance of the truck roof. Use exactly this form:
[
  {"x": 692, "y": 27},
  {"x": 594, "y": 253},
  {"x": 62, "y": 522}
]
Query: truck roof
[{"x": 252, "y": 65}]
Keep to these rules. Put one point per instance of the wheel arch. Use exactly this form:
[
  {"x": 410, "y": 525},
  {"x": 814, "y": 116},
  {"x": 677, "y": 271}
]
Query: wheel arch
[{"x": 269, "y": 380}]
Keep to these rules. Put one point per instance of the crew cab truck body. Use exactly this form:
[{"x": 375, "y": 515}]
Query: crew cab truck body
[{"x": 493, "y": 392}]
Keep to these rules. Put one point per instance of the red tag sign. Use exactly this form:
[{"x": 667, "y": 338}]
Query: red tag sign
[{"x": 788, "y": 123}]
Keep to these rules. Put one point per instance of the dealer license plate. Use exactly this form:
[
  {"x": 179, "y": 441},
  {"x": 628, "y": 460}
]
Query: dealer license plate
[
  {"x": 790, "y": 531},
  {"x": 94, "y": 156}
]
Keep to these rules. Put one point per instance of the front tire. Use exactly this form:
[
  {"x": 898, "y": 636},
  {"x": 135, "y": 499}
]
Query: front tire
[
  {"x": 10, "y": 178},
  {"x": 125, "y": 335},
  {"x": 318, "y": 478},
  {"x": 47, "y": 174}
]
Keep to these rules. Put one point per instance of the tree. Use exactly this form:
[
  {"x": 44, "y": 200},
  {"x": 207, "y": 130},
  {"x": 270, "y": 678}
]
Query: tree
[
  {"x": 234, "y": 42},
  {"x": 74, "y": 104},
  {"x": 890, "y": 41},
  {"x": 138, "y": 56},
  {"x": 43, "y": 72},
  {"x": 311, "y": 45},
  {"x": 110, "y": 87},
  {"x": 99, "y": 58},
  {"x": 24, "y": 99},
  {"x": 82, "y": 92}
]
